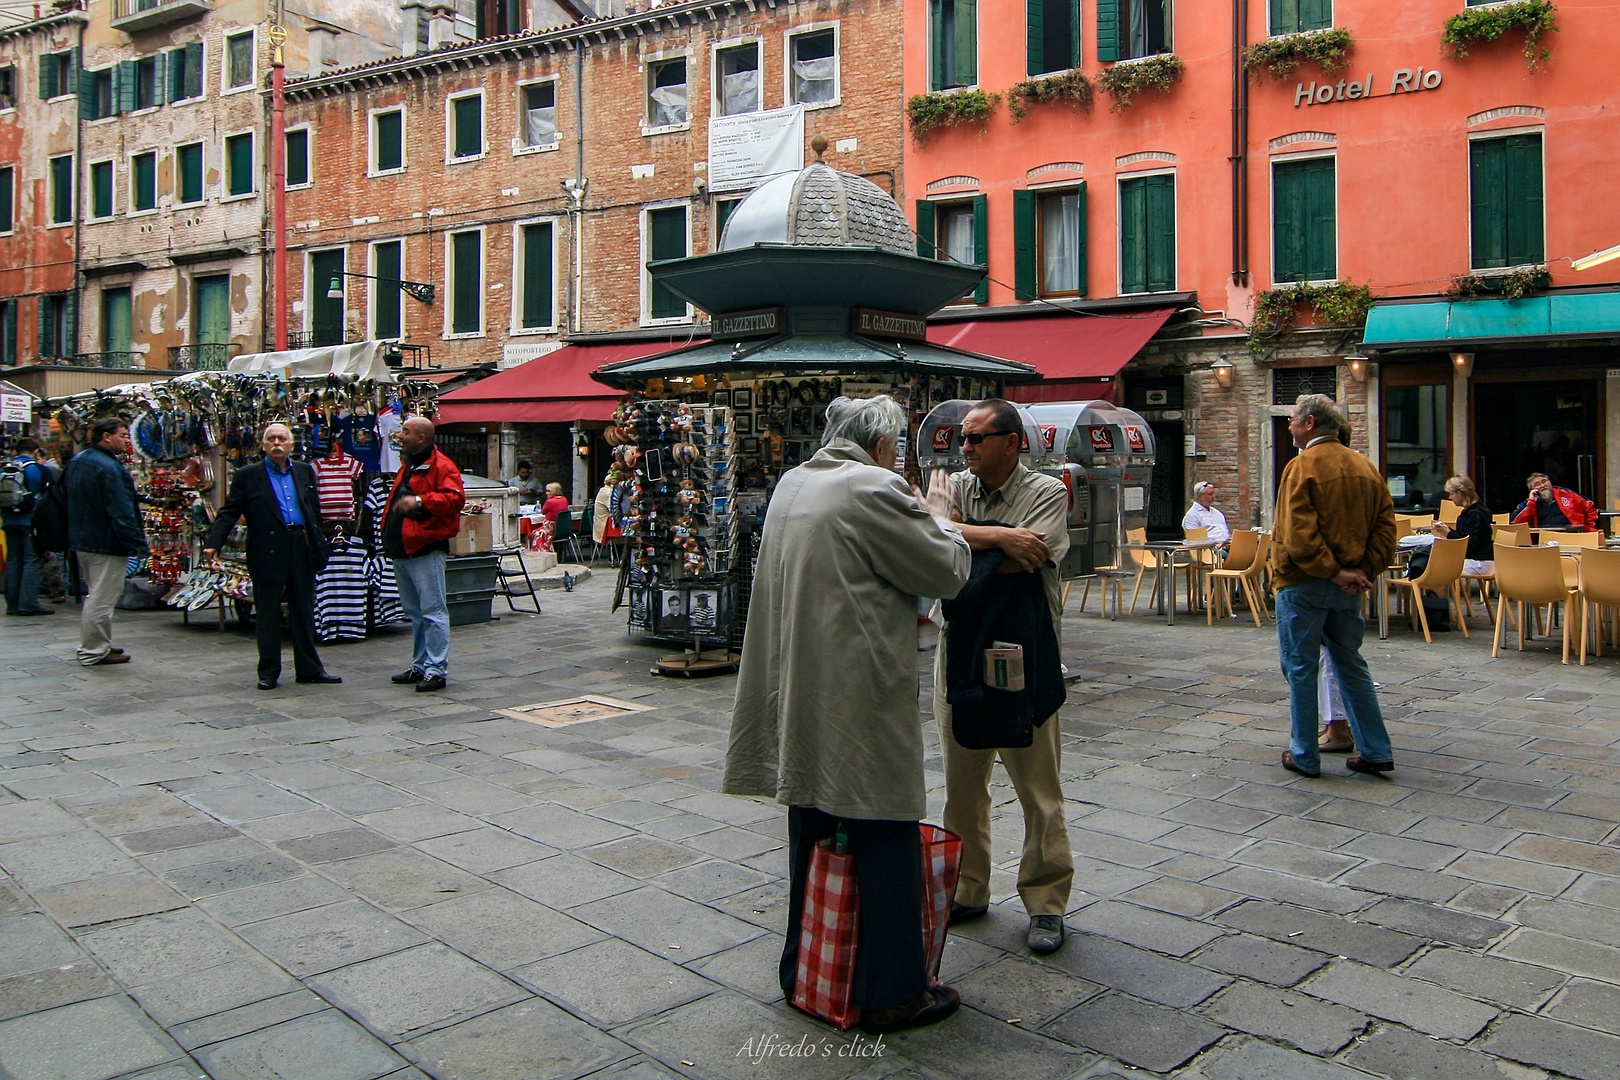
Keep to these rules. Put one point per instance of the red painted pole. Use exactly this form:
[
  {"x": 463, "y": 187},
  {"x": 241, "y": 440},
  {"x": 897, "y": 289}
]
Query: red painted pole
[{"x": 278, "y": 189}]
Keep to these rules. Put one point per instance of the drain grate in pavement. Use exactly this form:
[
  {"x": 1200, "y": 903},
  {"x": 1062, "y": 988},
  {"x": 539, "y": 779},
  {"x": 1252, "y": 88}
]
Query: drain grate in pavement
[{"x": 574, "y": 710}]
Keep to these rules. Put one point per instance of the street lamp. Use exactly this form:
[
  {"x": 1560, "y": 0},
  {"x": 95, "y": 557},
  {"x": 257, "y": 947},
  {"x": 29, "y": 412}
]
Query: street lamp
[
  {"x": 1358, "y": 366},
  {"x": 420, "y": 290},
  {"x": 1463, "y": 362},
  {"x": 1224, "y": 370},
  {"x": 1586, "y": 262}
]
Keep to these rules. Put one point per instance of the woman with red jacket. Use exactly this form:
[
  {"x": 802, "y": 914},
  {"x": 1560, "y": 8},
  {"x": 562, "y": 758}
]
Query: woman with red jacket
[{"x": 1550, "y": 507}]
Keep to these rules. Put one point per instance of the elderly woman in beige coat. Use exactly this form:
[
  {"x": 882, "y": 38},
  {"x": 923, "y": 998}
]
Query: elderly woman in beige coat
[{"x": 826, "y": 716}]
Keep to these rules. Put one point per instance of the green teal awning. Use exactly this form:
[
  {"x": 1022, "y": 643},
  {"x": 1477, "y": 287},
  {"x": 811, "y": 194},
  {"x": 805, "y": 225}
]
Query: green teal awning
[{"x": 1538, "y": 318}]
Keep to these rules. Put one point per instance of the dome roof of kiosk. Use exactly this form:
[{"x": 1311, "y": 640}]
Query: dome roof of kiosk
[{"x": 819, "y": 207}]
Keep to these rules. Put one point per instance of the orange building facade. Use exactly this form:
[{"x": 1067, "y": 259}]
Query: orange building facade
[{"x": 1443, "y": 183}]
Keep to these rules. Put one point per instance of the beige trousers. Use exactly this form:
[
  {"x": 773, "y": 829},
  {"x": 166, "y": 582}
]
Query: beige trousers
[
  {"x": 1046, "y": 871},
  {"x": 104, "y": 576}
]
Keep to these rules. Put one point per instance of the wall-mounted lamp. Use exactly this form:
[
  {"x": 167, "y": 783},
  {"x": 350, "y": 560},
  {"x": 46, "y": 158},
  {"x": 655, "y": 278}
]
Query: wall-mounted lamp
[
  {"x": 420, "y": 290},
  {"x": 1224, "y": 371},
  {"x": 1358, "y": 366},
  {"x": 1463, "y": 362},
  {"x": 1586, "y": 262},
  {"x": 582, "y": 444}
]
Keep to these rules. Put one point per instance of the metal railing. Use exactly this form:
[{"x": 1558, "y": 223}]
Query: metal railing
[
  {"x": 204, "y": 356},
  {"x": 118, "y": 360},
  {"x": 123, "y": 9},
  {"x": 316, "y": 339}
]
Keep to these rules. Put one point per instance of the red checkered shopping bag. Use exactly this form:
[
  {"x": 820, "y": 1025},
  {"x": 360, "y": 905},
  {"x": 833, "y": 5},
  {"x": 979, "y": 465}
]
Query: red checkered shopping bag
[
  {"x": 941, "y": 869},
  {"x": 825, "y": 982}
]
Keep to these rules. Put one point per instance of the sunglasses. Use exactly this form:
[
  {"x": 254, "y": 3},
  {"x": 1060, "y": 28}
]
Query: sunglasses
[{"x": 977, "y": 437}]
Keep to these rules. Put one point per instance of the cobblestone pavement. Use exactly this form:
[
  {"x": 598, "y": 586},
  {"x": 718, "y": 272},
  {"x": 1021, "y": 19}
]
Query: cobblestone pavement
[{"x": 359, "y": 881}]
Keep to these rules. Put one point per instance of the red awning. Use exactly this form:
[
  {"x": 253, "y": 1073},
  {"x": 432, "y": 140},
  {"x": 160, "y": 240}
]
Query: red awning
[
  {"x": 1078, "y": 345},
  {"x": 556, "y": 388}
]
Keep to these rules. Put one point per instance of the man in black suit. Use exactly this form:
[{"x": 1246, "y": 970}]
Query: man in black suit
[{"x": 285, "y": 550}]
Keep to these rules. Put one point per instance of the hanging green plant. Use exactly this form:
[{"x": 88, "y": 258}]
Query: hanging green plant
[
  {"x": 928, "y": 113},
  {"x": 1071, "y": 86},
  {"x": 1343, "y": 304},
  {"x": 1279, "y": 56},
  {"x": 1515, "y": 285},
  {"x": 1478, "y": 25},
  {"x": 1124, "y": 81}
]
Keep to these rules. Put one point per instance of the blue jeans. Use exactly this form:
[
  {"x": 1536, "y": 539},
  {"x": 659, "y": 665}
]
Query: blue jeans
[
  {"x": 1310, "y": 616},
  {"x": 25, "y": 569},
  {"x": 421, "y": 592}
]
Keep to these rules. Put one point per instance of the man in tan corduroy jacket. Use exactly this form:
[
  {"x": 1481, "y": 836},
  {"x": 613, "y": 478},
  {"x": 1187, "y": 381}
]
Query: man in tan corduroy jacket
[{"x": 1333, "y": 533}]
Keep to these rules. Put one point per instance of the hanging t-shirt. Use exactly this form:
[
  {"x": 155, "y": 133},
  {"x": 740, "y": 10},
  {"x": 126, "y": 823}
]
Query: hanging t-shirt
[
  {"x": 360, "y": 439},
  {"x": 334, "y": 485},
  {"x": 340, "y": 594},
  {"x": 388, "y": 425}
]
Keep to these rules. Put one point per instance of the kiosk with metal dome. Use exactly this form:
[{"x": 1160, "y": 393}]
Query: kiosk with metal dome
[{"x": 816, "y": 291}]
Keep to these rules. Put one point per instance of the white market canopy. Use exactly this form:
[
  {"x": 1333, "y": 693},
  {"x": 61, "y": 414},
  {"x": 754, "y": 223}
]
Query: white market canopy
[{"x": 358, "y": 360}]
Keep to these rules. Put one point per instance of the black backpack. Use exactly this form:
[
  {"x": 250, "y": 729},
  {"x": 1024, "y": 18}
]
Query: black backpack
[
  {"x": 16, "y": 497},
  {"x": 50, "y": 520}
]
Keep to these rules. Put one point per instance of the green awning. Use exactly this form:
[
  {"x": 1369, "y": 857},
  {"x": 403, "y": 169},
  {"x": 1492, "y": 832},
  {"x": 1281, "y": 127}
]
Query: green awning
[
  {"x": 1558, "y": 317},
  {"x": 851, "y": 357}
]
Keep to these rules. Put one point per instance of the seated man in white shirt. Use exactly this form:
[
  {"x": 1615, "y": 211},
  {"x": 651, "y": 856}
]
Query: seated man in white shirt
[{"x": 1203, "y": 515}]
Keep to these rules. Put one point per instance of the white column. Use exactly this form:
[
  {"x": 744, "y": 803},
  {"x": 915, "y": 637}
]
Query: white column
[
  {"x": 1460, "y": 465},
  {"x": 582, "y": 470}
]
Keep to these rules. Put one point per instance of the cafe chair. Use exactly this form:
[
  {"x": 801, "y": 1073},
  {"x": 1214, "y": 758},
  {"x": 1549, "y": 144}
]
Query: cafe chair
[
  {"x": 1200, "y": 561},
  {"x": 563, "y": 533},
  {"x": 1403, "y": 525},
  {"x": 1513, "y": 535},
  {"x": 1448, "y": 512},
  {"x": 1529, "y": 575},
  {"x": 1600, "y": 589},
  {"x": 1244, "y": 563},
  {"x": 1442, "y": 575},
  {"x": 1501, "y": 519},
  {"x": 1486, "y": 584},
  {"x": 1576, "y": 539}
]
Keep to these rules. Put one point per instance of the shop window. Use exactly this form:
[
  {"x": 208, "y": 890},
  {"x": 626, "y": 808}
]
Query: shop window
[
  {"x": 239, "y": 60},
  {"x": 101, "y": 189},
  {"x": 1505, "y": 189},
  {"x": 188, "y": 174},
  {"x": 1416, "y": 458},
  {"x": 8, "y": 198},
  {"x": 239, "y": 164},
  {"x": 737, "y": 79},
  {"x": 297, "y": 160},
  {"x": 666, "y": 93},
  {"x": 953, "y": 43},
  {"x": 388, "y": 140},
  {"x": 466, "y": 282},
  {"x": 116, "y": 325},
  {"x": 143, "y": 182},
  {"x": 61, "y": 173},
  {"x": 1049, "y": 243},
  {"x": 1298, "y": 16},
  {"x": 813, "y": 67},
  {"x": 185, "y": 72},
  {"x": 58, "y": 331},
  {"x": 664, "y": 237},
  {"x": 957, "y": 231},
  {"x": 98, "y": 97},
  {"x": 1127, "y": 29},
  {"x": 536, "y": 290},
  {"x": 57, "y": 73},
  {"x": 1304, "y": 220},
  {"x": 537, "y": 115},
  {"x": 466, "y": 127},
  {"x": 1052, "y": 35},
  {"x": 8, "y": 86},
  {"x": 1147, "y": 234},
  {"x": 1288, "y": 385},
  {"x": 387, "y": 299}
]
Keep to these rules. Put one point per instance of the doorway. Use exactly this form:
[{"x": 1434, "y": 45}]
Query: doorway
[
  {"x": 1527, "y": 427},
  {"x": 325, "y": 310},
  {"x": 213, "y": 322},
  {"x": 1283, "y": 450},
  {"x": 1169, "y": 484}
]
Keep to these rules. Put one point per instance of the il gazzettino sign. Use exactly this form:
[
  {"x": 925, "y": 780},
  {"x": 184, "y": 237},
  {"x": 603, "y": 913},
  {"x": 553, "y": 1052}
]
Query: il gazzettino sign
[
  {"x": 1401, "y": 81},
  {"x": 749, "y": 147}
]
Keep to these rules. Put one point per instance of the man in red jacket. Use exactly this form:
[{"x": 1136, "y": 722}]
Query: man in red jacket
[
  {"x": 1550, "y": 507},
  {"x": 424, "y": 512}
]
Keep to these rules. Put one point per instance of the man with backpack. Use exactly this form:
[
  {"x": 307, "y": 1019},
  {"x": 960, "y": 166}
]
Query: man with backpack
[
  {"x": 22, "y": 481},
  {"x": 104, "y": 530}
]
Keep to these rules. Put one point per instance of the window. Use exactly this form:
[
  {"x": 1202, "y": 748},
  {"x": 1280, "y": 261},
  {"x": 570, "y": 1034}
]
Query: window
[
  {"x": 1417, "y": 430},
  {"x": 1297, "y": 16},
  {"x": 239, "y": 60},
  {"x": 956, "y": 231},
  {"x": 62, "y": 190},
  {"x": 387, "y": 299},
  {"x": 116, "y": 325},
  {"x": 536, "y": 308},
  {"x": 466, "y": 126},
  {"x": 1304, "y": 220},
  {"x": 101, "y": 189},
  {"x": 143, "y": 182},
  {"x": 466, "y": 282},
  {"x": 57, "y": 73},
  {"x": 1147, "y": 234},
  {"x": 144, "y": 88},
  {"x": 722, "y": 214},
  {"x": 8, "y": 86},
  {"x": 388, "y": 140},
  {"x": 1505, "y": 194},
  {"x": 185, "y": 72},
  {"x": 326, "y": 312},
  {"x": 953, "y": 43},
  {"x": 813, "y": 67},
  {"x": 58, "y": 332},
  {"x": 664, "y": 237},
  {"x": 537, "y": 115},
  {"x": 1049, "y": 243},
  {"x": 666, "y": 93},
  {"x": 98, "y": 98},
  {"x": 8, "y": 333},
  {"x": 1052, "y": 35},
  {"x": 297, "y": 161},
  {"x": 1127, "y": 29},
  {"x": 737, "y": 79},
  {"x": 188, "y": 173},
  {"x": 8, "y": 198},
  {"x": 239, "y": 164}
]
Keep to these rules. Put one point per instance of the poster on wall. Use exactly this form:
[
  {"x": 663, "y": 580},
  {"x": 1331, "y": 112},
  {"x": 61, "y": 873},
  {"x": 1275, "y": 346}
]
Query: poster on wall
[{"x": 747, "y": 148}]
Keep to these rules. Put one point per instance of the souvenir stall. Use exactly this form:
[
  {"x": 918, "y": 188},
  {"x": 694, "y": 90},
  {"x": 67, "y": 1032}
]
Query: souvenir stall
[{"x": 814, "y": 293}]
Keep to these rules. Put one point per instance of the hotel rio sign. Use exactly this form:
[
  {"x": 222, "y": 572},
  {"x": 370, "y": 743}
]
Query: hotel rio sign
[{"x": 1401, "y": 81}]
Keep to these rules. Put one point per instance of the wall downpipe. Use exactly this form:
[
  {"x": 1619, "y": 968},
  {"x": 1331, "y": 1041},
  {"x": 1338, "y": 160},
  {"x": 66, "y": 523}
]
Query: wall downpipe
[
  {"x": 1240, "y": 144},
  {"x": 278, "y": 186}
]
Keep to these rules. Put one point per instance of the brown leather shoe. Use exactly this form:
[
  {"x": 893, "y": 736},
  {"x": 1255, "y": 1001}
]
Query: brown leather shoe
[
  {"x": 1357, "y": 763},
  {"x": 928, "y": 1007},
  {"x": 113, "y": 658}
]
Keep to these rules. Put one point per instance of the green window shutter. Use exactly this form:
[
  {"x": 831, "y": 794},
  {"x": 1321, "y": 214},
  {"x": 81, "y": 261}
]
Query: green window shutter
[
  {"x": 469, "y": 127},
  {"x": 1024, "y": 275},
  {"x": 188, "y": 163},
  {"x": 116, "y": 335},
  {"x": 722, "y": 214},
  {"x": 194, "y": 69},
  {"x": 1034, "y": 41},
  {"x": 87, "y": 96},
  {"x": 101, "y": 189},
  {"x": 1526, "y": 239},
  {"x": 936, "y": 44},
  {"x": 1288, "y": 222},
  {"x": 927, "y": 247},
  {"x": 464, "y": 317},
  {"x": 537, "y": 266},
  {"x": 48, "y": 67},
  {"x": 61, "y": 190},
  {"x": 239, "y": 164},
  {"x": 1284, "y": 16},
  {"x": 126, "y": 85},
  {"x": 1107, "y": 15},
  {"x": 69, "y": 345},
  {"x": 1132, "y": 236},
  {"x": 1080, "y": 245},
  {"x": 297, "y": 161},
  {"x": 981, "y": 245},
  {"x": 967, "y": 42},
  {"x": 176, "y": 64},
  {"x": 1315, "y": 14},
  {"x": 1488, "y": 203},
  {"x": 1321, "y": 215},
  {"x": 1074, "y": 33},
  {"x": 1161, "y": 229},
  {"x": 144, "y": 184},
  {"x": 667, "y": 240},
  {"x": 385, "y": 294},
  {"x": 325, "y": 312},
  {"x": 8, "y": 199},
  {"x": 43, "y": 345},
  {"x": 390, "y": 141}
]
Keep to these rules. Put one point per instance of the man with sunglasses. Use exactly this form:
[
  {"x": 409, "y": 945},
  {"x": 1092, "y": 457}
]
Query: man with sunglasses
[{"x": 1035, "y": 537}]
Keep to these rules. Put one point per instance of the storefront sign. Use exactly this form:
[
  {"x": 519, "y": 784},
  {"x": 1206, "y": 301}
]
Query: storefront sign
[
  {"x": 745, "y": 149},
  {"x": 1403, "y": 81},
  {"x": 851, "y": 389},
  {"x": 14, "y": 409},
  {"x": 888, "y": 324},
  {"x": 760, "y": 322}
]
